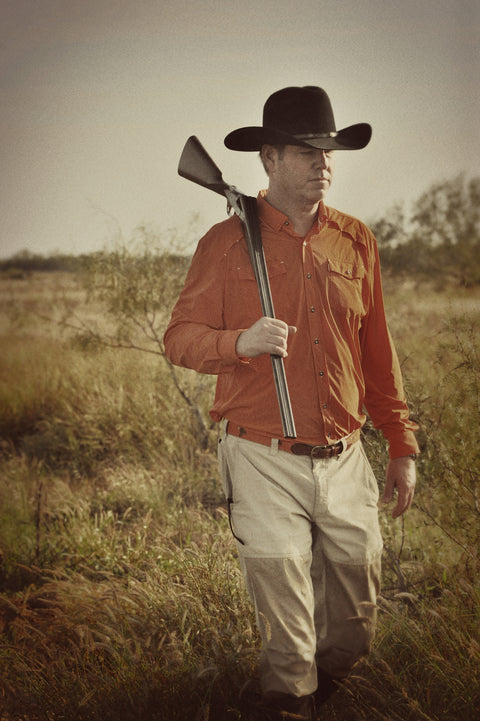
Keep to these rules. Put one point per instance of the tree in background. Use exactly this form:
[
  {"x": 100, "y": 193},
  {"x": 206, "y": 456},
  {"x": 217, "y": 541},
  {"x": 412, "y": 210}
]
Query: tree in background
[{"x": 440, "y": 240}]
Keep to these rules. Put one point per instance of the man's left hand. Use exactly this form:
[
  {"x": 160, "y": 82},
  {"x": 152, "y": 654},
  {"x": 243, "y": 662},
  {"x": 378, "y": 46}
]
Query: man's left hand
[{"x": 401, "y": 475}]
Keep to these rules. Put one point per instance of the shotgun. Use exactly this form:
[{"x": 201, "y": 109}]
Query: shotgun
[{"x": 196, "y": 165}]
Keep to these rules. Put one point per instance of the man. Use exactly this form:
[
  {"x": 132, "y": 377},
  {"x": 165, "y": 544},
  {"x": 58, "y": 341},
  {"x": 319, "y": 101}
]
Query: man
[{"x": 304, "y": 511}]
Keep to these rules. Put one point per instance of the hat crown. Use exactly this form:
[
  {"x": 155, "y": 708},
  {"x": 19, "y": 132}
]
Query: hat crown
[
  {"x": 299, "y": 116},
  {"x": 299, "y": 111}
]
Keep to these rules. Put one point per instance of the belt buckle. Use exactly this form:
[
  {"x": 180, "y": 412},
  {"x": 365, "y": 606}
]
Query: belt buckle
[{"x": 319, "y": 448}]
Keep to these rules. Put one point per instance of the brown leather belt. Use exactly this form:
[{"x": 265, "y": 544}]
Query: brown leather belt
[{"x": 292, "y": 446}]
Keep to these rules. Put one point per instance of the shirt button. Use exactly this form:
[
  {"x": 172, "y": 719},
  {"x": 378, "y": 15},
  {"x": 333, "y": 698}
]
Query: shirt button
[
  {"x": 316, "y": 341},
  {"x": 287, "y": 222},
  {"x": 321, "y": 373},
  {"x": 312, "y": 309},
  {"x": 324, "y": 405},
  {"x": 309, "y": 275}
]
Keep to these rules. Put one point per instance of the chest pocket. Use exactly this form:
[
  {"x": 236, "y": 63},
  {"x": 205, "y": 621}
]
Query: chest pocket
[
  {"x": 248, "y": 292},
  {"x": 344, "y": 286}
]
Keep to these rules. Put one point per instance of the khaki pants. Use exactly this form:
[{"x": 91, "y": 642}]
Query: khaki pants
[{"x": 309, "y": 544}]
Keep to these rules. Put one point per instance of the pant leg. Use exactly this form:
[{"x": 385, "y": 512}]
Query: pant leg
[
  {"x": 346, "y": 564},
  {"x": 272, "y": 495}
]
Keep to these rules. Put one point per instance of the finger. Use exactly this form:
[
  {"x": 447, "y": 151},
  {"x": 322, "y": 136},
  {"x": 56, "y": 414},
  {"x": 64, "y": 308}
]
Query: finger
[
  {"x": 278, "y": 338},
  {"x": 279, "y": 347},
  {"x": 387, "y": 496},
  {"x": 404, "y": 502},
  {"x": 283, "y": 330},
  {"x": 280, "y": 325},
  {"x": 399, "y": 508},
  {"x": 275, "y": 323}
]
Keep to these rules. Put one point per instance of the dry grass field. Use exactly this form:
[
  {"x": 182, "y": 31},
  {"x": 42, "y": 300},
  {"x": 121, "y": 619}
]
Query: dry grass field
[{"x": 120, "y": 592}]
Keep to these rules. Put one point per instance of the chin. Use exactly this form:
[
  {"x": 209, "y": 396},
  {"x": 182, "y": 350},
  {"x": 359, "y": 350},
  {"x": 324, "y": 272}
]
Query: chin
[{"x": 318, "y": 197}]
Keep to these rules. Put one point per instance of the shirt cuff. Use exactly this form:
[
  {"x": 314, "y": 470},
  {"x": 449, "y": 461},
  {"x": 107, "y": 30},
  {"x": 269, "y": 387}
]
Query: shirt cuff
[
  {"x": 226, "y": 347},
  {"x": 404, "y": 445}
]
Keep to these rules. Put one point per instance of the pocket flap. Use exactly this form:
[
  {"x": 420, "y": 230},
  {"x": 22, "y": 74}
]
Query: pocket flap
[{"x": 347, "y": 270}]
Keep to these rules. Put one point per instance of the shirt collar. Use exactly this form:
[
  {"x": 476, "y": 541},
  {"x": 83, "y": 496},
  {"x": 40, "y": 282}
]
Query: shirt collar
[
  {"x": 346, "y": 224},
  {"x": 278, "y": 221}
]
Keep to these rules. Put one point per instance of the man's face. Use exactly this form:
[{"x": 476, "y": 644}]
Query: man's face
[{"x": 300, "y": 174}]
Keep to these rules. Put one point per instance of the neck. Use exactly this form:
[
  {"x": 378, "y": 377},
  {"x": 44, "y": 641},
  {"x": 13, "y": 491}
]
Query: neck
[{"x": 301, "y": 216}]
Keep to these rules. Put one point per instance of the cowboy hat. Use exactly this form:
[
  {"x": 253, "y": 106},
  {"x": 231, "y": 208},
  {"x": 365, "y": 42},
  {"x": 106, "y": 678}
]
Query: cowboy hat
[{"x": 299, "y": 116}]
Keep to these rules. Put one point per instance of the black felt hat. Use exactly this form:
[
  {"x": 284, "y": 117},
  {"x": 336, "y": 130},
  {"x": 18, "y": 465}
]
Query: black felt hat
[{"x": 299, "y": 116}]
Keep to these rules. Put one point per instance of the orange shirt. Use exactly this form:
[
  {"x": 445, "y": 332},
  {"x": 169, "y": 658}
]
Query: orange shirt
[{"x": 341, "y": 359}]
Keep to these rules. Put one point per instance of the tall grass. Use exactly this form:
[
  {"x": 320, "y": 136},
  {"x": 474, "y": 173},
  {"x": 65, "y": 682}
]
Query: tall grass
[{"x": 120, "y": 591}]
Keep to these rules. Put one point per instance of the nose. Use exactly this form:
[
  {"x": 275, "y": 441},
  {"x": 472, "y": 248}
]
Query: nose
[{"x": 321, "y": 159}]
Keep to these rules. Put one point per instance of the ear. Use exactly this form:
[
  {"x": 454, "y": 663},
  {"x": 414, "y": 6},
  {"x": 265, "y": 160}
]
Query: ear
[{"x": 269, "y": 155}]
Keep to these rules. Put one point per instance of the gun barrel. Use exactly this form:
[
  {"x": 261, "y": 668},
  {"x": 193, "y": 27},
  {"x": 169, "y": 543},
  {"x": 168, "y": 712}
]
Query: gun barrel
[{"x": 257, "y": 260}]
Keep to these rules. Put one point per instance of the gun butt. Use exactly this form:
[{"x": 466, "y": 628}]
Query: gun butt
[{"x": 196, "y": 165}]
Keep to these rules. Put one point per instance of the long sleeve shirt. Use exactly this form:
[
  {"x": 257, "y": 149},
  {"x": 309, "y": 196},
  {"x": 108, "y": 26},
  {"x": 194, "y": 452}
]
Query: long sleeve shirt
[{"x": 340, "y": 361}]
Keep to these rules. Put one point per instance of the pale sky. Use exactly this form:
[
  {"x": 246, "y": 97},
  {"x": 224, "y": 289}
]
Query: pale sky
[{"x": 97, "y": 98}]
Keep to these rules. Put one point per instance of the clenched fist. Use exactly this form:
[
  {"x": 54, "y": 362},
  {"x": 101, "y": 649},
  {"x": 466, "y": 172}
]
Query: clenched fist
[{"x": 266, "y": 335}]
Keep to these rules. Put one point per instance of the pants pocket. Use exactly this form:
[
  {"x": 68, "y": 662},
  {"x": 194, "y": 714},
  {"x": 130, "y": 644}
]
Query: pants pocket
[{"x": 227, "y": 483}]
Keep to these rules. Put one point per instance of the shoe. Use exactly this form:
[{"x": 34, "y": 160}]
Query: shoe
[
  {"x": 289, "y": 708},
  {"x": 327, "y": 685}
]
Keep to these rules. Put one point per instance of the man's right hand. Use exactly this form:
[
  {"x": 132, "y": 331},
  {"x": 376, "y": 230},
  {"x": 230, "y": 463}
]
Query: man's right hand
[{"x": 266, "y": 335}]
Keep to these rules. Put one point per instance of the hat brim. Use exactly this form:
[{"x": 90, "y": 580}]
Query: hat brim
[{"x": 249, "y": 139}]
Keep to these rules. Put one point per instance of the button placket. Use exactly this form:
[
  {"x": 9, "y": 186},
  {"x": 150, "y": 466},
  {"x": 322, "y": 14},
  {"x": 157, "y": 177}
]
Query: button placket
[{"x": 315, "y": 327}]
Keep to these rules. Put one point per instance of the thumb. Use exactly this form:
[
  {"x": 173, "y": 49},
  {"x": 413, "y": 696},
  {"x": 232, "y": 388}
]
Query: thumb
[
  {"x": 292, "y": 330},
  {"x": 387, "y": 496}
]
